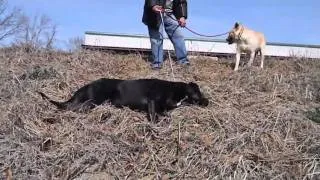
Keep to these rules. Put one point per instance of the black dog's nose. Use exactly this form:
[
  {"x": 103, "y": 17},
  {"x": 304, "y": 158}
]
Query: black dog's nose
[{"x": 204, "y": 102}]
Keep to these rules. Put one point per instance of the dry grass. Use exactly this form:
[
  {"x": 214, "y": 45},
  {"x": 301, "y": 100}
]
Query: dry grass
[{"x": 256, "y": 126}]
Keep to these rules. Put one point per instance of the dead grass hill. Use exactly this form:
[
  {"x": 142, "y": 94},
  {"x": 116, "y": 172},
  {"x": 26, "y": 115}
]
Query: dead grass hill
[{"x": 260, "y": 124}]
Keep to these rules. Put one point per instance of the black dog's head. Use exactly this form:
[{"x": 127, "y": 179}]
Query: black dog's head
[{"x": 194, "y": 96}]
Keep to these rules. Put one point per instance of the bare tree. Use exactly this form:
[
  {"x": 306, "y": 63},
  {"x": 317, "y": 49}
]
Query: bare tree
[
  {"x": 74, "y": 44},
  {"x": 11, "y": 21},
  {"x": 38, "y": 32},
  {"x": 50, "y": 36}
]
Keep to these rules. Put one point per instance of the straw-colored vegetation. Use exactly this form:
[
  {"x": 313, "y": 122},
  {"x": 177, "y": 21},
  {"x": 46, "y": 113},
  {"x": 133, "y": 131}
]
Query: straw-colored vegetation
[{"x": 260, "y": 124}]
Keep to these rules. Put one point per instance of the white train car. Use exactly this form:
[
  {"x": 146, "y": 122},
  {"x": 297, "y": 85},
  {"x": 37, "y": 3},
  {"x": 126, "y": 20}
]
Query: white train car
[{"x": 203, "y": 46}]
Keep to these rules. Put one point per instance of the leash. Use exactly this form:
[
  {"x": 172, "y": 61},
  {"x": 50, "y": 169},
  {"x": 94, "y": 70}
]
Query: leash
[
  {"x": 203, "y": 35},
  {"x": 170, "y": 36},
  {"x": 194, "y": 32},
  {"x": 170, "y": 60}
]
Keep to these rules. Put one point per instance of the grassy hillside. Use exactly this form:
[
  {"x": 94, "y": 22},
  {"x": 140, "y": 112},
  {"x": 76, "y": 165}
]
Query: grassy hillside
[{"x": 260, "y": 124}]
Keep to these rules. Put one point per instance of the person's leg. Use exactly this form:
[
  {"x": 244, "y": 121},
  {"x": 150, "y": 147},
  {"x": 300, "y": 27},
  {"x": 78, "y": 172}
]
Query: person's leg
[
  {"x": 156, "y": 40},
  {"x": 174, "y": 32}
]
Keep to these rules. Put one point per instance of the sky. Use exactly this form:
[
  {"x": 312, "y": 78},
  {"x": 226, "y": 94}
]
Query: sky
[{"x": 285, "y": 21}]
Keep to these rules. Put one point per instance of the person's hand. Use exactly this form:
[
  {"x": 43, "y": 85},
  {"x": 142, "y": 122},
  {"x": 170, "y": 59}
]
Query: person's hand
[
  {"x": 182, "y": 22},
  {"x": 157, "y": 8}
]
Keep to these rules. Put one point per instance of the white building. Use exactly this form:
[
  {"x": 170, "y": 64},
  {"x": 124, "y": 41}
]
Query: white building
[{"x": 202, "y": 46}]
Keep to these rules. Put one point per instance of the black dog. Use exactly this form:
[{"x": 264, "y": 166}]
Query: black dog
[{"x": 150, "y": 95}]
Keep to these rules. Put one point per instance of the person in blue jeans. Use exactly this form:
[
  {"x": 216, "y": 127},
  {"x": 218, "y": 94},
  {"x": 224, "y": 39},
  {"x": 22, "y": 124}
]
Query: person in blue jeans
[{"x": 174, "y": 15}]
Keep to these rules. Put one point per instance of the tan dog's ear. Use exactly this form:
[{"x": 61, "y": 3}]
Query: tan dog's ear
[{"x": 236, "y": 25}]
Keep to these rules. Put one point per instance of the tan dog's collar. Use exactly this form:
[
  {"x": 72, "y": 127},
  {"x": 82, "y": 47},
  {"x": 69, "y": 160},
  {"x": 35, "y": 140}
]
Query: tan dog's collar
[{"x": 241, "y": 32}]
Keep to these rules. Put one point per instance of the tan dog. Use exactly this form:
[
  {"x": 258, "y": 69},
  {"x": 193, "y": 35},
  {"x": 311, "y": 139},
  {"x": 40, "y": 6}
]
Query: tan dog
[{"x": 247, "y": 40}]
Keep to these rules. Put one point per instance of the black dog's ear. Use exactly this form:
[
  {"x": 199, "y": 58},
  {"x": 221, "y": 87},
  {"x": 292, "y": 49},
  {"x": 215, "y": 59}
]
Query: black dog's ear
[
  {"x": 236, "y": 25},
  {"x": 193, "y": 88},
  {"x": 192, "y": 84}
]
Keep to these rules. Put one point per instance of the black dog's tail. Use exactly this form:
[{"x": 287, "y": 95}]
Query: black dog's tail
[{"x": 59, "y": 105}]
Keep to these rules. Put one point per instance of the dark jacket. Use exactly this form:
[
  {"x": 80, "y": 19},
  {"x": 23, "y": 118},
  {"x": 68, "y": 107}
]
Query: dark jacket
[{"x": 152, "y": 19}]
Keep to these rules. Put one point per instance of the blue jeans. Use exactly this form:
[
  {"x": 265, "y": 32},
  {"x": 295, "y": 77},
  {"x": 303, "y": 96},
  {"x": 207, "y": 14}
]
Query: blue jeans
[{"x": 175, "y": 36}]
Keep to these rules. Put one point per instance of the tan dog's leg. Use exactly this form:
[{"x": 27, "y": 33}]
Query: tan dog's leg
[
  {"x": 262, "y": 57},
  {"x": 237, "y": 60},
  {"x": 252, "y": 55}
]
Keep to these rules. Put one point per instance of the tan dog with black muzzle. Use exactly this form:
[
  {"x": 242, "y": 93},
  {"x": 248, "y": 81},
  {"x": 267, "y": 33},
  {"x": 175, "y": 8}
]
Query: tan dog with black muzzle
[{"x": 247, "y": 40}]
